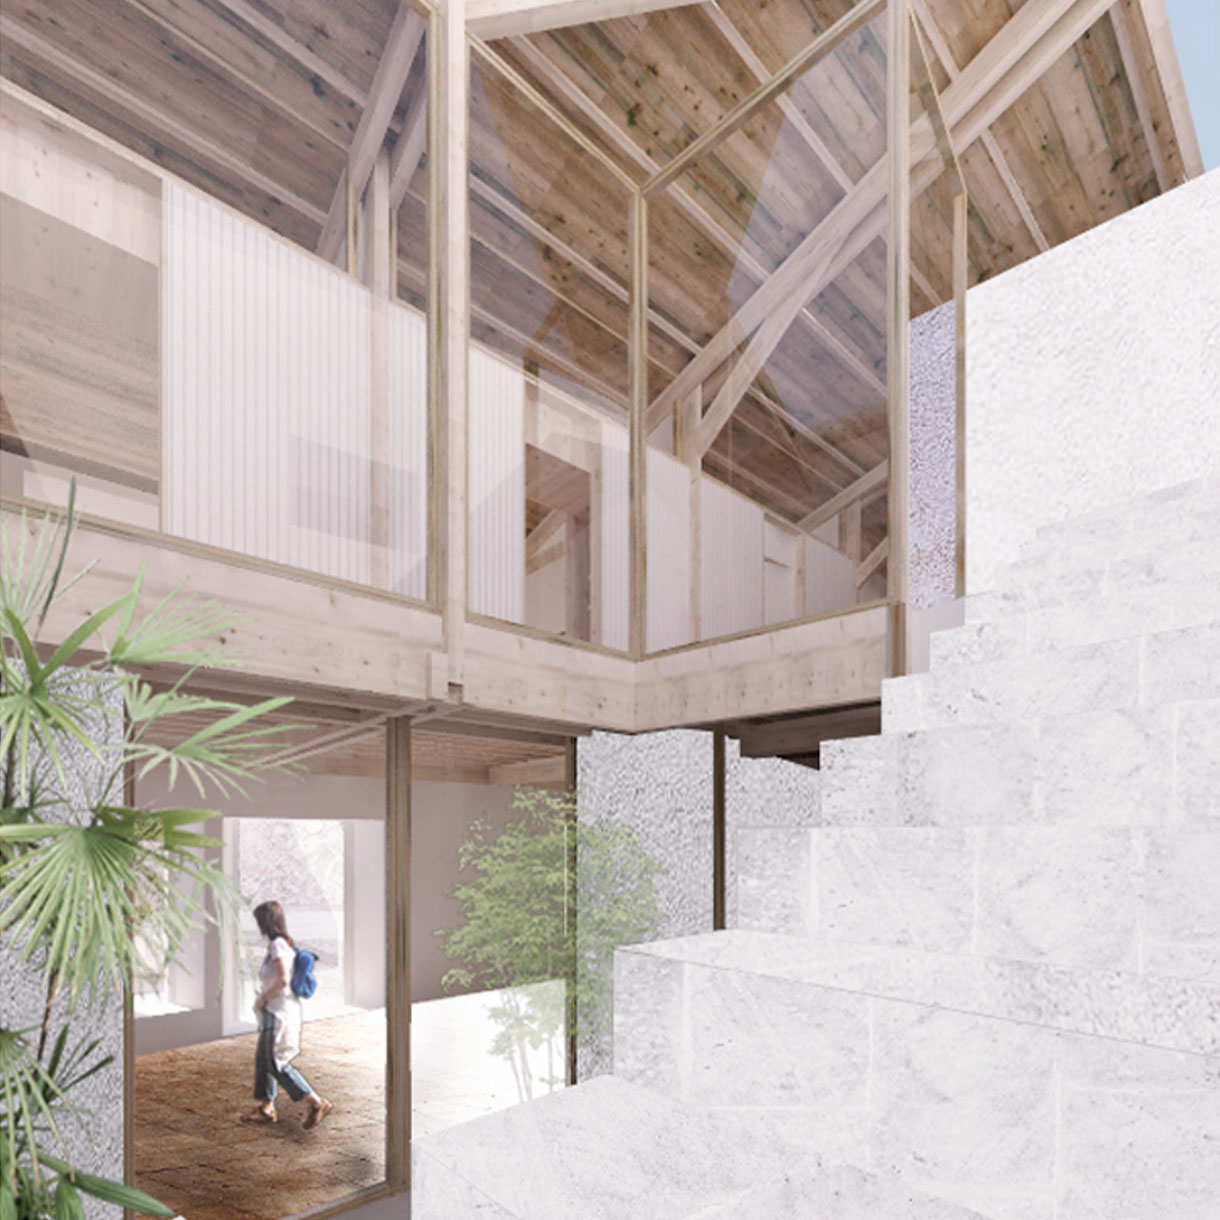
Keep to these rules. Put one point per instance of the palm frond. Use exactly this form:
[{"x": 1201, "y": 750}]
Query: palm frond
[{"x": 75, "y": 894}]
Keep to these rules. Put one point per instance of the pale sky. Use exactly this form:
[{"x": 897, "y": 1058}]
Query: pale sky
[{"x": 1196, "y": 34}]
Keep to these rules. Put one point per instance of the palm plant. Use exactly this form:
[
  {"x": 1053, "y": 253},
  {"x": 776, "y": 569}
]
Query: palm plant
[{"x": 94, "y": 889}]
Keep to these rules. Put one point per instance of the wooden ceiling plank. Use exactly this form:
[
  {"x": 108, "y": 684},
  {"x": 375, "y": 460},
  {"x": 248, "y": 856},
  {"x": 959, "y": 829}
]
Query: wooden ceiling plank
[
  {"x": 1014, "y": 59},
  {"x": 1137, "y": 82},
  {"x": 1160, "y": 38},
  {"x": 259, "y": 89},
  {"x": 1011, "y": 185},
  {"x": 406, "y": 34},
  {"x": 681, "y": 195},
  {"x": 488, "y": 19},
  {"x": 279, "y": 37},
  {"x": 746, "y": 53},
  {"x": 541, "y": 771},
  {"x": 151, "y": 117}
]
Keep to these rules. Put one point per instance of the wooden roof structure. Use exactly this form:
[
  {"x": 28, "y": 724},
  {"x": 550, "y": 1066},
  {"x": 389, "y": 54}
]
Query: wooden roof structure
[{"x": 1065, "y": 113}]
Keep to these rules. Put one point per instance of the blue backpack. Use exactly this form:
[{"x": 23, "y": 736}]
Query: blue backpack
[{"x": 303, "y": 982}]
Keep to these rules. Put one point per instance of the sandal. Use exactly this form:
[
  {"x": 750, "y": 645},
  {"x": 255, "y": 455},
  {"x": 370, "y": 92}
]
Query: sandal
[
  {"x": 317, "y": 1114},
  {"x": 259, "y": 1115}
]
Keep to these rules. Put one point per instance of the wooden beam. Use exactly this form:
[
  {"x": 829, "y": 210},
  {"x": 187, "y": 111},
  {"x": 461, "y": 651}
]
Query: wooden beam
[
  {"x": 990, "y": 143},
  {"x": 405, "y": 36},
  {"x": 277, "y": 36},
  {"x": 1165, "y": 56},
  {"x": 543, "y": 532},
  {"x": 824, "y": 45},
  {"x": 804, "y": 734},
  {"x": 398, "y": 952},
  {"x": 850, "y": 532},
  {"x": 1137, "y": 82},
  {"x": 1028, "y": 44},
  {"x": 452, "y": 225},
  {"x": 857, "y": 493},
  {"x": 544, "y": 772},
  {"x": 872, "y": 561},
  {"x": 683, "y": 196},
  {"x": 152, "y": 118},
  {"x": 408, "y": 148},
  {"x": 490, "y": 19},
  {"x": 746, "y": 53}
]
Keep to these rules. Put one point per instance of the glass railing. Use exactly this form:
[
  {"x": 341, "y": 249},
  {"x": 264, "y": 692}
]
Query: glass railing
[
  {"x": 548, "y": 395},
  {"x": 199, "y": 375},
  {"x": 767, "y": 408}
]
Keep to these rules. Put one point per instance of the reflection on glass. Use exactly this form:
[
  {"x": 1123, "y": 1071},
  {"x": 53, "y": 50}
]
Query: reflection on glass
[
  {"x": 518, "y": 903},
  {"x": 548, "y": 373},
  {"x": 314, "y": 842},
  {"x": 202, "y": 376},
  {"x": 766, "y": 469}
]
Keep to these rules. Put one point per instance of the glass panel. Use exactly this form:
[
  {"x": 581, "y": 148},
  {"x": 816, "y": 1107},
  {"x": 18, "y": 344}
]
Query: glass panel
[
  {"x": 490, "y": 882},
  {"x": 548, "y": 475},
  {"x": 200, "y": 375},
  {"x": 767, "y": 285},
  {"x": 314, "y": 842},
  {"x": 80, "y": 345}
]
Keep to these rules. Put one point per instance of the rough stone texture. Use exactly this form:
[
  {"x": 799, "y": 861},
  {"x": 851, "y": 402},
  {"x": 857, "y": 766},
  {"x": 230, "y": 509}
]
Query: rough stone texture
[
  {"x": 660, "y": 785},
  {"x": 762, "y": 792},
  {"x": 1121, "y": 327},
  {"x": 95, "y": 1141},
  {"x": 933, "y": 514}
]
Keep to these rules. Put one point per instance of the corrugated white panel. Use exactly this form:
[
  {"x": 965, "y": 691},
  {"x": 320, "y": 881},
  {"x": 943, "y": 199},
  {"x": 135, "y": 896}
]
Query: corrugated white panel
[
  {"x": 732, "y": 578},
  {"x": 668, "y": 523},
  {"x": 268, "y": 404},
  {"x": 829, "y": 583},
  {"x": 496, "y": 487},
  {"x": 612, "y": 546},
  {"x": 408, "y": 461}
]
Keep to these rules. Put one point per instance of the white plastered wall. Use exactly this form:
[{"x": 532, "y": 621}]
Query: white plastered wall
[{"x": 1093, "y": 373}]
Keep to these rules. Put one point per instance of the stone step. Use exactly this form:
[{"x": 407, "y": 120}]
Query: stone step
[
  {"x": 1096, "y": 620},
  {"x": 1141, "y": 766},
  {"x": 1167, "y": 508},
  {"x": 1018, "y": 1090},
  {"x": 1030, "y": 587},
  {"x": 1160, "y": 667},
  {"x": 1094, "y": 898},
  {"x": 612, "y": 1150}
]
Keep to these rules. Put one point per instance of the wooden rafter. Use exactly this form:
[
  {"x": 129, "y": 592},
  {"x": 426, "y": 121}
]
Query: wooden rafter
[
  {"x": 857, "y": 493},
  {"x": 406, "y": 34},
  {"x": 688, "y": 202},
  {"x": 1135, "y": 73},
  {"x": 1165, "y": 55},
  {"x": 279, "y": 37},
  {"x": 153, "y": 119},
  {"x": 501, "y": 18},
  {"x": 928, "y": 24},
  {"x": 1017, "y": 56}
]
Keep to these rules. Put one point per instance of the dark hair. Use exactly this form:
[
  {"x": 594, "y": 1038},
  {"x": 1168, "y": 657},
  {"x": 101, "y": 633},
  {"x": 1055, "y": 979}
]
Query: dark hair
[{"x": 270, "y": 918}]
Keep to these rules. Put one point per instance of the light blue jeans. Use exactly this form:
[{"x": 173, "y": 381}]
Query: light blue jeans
[{"x": 267, "y": 1077}]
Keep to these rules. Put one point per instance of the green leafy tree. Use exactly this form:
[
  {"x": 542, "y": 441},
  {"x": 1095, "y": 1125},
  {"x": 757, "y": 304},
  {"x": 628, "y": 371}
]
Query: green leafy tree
[
  {"x": 94, "y": 890},
  {"x": 527, "y": 927}
]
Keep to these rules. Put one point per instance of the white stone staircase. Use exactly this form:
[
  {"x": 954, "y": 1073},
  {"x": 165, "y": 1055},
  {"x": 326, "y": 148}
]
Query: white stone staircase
[{"x": 988, "y": 980}]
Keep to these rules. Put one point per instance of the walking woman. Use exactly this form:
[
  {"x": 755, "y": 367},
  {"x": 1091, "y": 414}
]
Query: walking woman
[{"x": 279, "y": 1021}]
